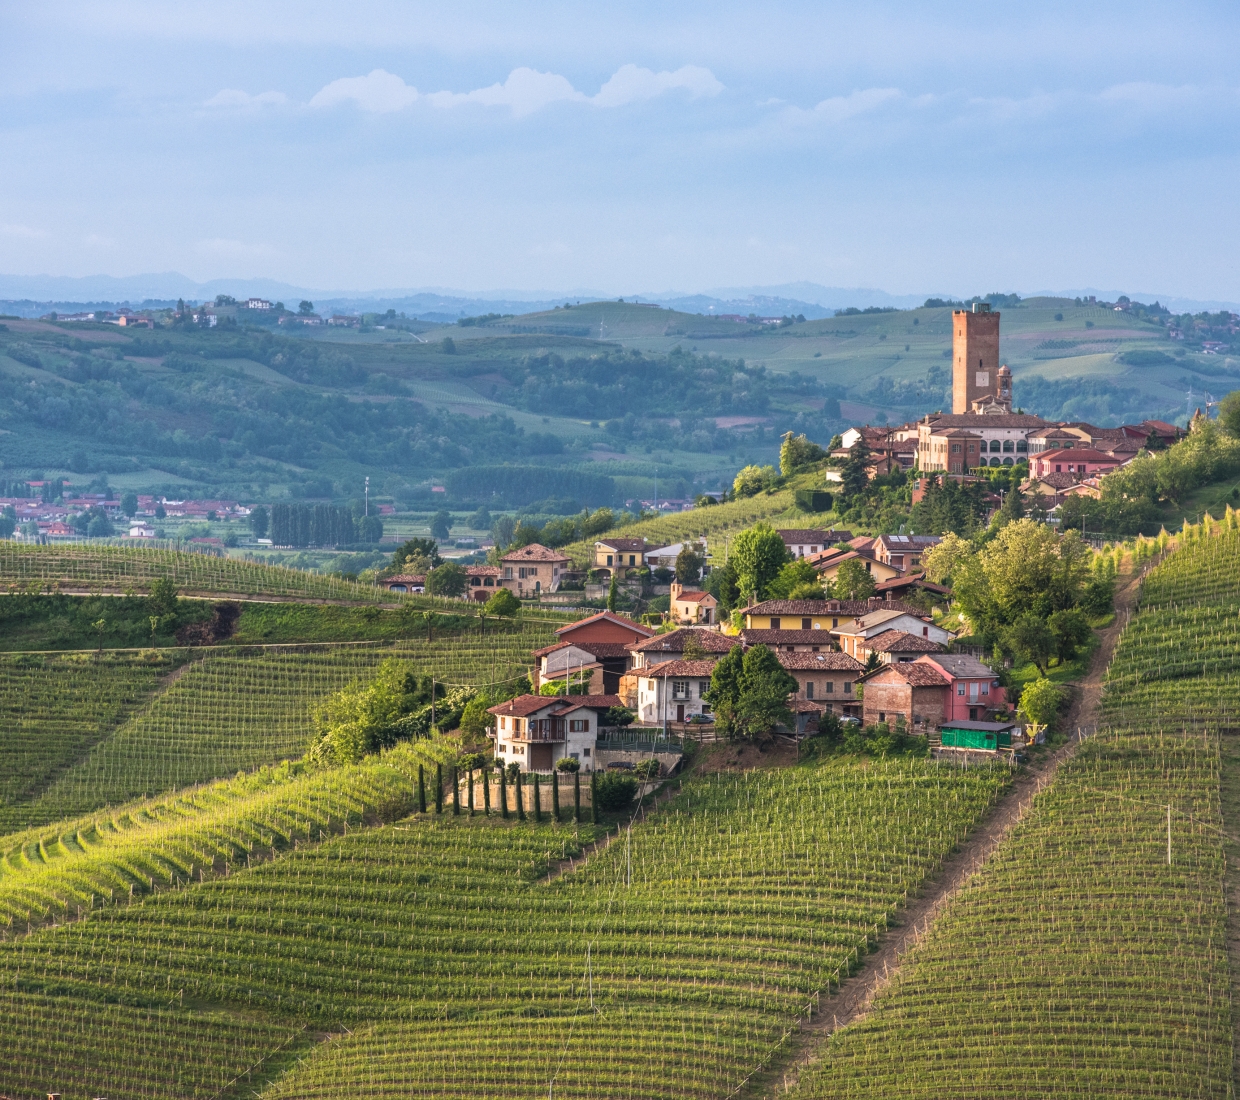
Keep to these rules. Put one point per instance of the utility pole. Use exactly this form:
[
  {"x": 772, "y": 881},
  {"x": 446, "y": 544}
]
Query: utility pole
[{"x": 367, "y": 506}]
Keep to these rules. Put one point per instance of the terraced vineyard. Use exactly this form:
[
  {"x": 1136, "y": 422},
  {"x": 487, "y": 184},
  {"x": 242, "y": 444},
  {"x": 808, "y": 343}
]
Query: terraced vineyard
[
  {"x": 237, "y": 709},
  {"x": 53, "y": 710},
  {"x": 674, "y": 963},
  {"x": 1089, "y": 958}
]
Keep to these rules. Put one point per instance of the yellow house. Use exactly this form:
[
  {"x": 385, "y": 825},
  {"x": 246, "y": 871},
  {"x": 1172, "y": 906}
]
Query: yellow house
[
  {"x": 828, "y": 563},
  {"x": 825, "y": 615},
  {"x": 691, "y": 606},
  {"x": 620, "y": 556}
]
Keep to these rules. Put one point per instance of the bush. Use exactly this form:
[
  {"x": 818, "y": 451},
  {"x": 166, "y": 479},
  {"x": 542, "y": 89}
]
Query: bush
[
  {"x": 502, "y": 603},
  {"x": 567, "y": 764},
  {"x": 813, "y": 500},
  {"x": 648, "y": 769},
  {"x": 614, "y": 791}
]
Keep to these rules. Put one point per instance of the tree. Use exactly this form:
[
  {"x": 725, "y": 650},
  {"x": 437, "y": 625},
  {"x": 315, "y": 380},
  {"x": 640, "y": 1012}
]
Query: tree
[
  {"x": 853, "y": 581},
  {"x": 613, "y": 791},
  {"x": 1030, "y": 568},
  {"x": 448, "y": 346},
  {"x": 613, "y": 592},
  {"x": 480, "y": 520},
  {"x": 502, "y": 603},
  {"x": 160, "y": 512},
  {"x": 795, "y": 574},
  {"x": 162, "y": 601},
  {"x": 474, "y": 718},
  {"x": 100, "y": 526},
  {"x": 689, "y": 563},
  {"x": 1039, "y": 702},
  {"x": 259, "y": 520},
  {"x": 721, "y": 583},
  {"x": 797, "y": 452},
  {"x": 1229, "y": 413},
  {"x": 854, "y": 477},
  {"x": 751, "y": 480},
  {"x": 426, "y": 549},
  {"x": 749, "y": 693},
  {"x": 619, "y": 716},
  {"x": 370, "y": 530},
  {"x": 129, "y": 504},
  {"x": 1013, "y": 508},
  {"x": 305, "y": 307},
  {"x": 567, "y": 764},
  {"x": 1031, "y": 638},
  {"x": 441, "y": 525},
  {"x": 1071, "y": 632},
  {"x": 758, "y": 554},
  {"x": 448, "y": 579}
]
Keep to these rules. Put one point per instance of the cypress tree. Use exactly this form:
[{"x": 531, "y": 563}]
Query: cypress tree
[
  {"x": 486, "y": 790},
  {"x": 537, "y": 807},
  {"x": 438, "y": 788},
  {"x": 470, "y": 793},
  {"x": 594, "y": 797},
  {"x": 503, "y": 792},
  {"x": 555, "y": 797},
  {"x": 456, "y": 793},
  {"x": 520, "y": 800},
  {"x": 421, "y": 791},
  {"x": 577, "y": 797}
]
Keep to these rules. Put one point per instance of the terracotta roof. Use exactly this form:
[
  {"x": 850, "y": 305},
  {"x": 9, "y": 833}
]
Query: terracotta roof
[
  {"x": 826, "y": 607},
  {"x": 1074, "y": 454},
  {"x": 482, "y": 570},
  {"x": 674, "y": 641},
  {"x": 610, "y": 617},
  {"x": 959, "y": 665},
  {"x": 677, "y": 668},
  {"x": 915, "y": 581},
  {"x": 534, "y": 552},
  {"x": 694, "y": 597},
  {"x": 1055, "y": 479},
  {"x": 595, "y": 649},
  {"x": 786, "y": 637},
  {"x": 897, "y": 641},
  {"x": 597, "y": 701},
  {"x": 832, "y": 662},
  {"x": 405, "y": 578},
  {"x": 637, "y": 545},
  {"x": 914, "y": 673},
  {"x": 981, "y": 420},
  {"x": 524, "y": 705},
  {"x": 909, "y": 542},
  {"x": 810, "y": 534}
]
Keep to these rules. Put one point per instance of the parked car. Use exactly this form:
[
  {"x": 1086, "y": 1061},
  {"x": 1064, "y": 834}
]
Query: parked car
[
  {"x": 701, "y": 719},
  {"x": 620, "y": 766},
  {"x": 849, "y": 720}
]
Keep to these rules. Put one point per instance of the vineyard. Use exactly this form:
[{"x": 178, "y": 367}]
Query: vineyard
[
  {"x": 673, "y": 963},
  {"x": 1089, "y": 957},
  {"x": 233, "y": 710}
]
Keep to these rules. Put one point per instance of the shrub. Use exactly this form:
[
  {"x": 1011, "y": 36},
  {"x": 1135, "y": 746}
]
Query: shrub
[
  {"x": 648, "y": 769},
  {"x": 567, "y": 764},
  {"x": 502, "y": 603},
  {"x": 613, "y": 791}
]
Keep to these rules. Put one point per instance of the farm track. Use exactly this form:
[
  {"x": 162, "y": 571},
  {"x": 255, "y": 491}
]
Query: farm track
[{"x": 855, "y": 996}]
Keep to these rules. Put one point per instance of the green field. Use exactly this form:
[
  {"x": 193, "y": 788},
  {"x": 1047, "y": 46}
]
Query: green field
[{"x": 1089, "y": 957}]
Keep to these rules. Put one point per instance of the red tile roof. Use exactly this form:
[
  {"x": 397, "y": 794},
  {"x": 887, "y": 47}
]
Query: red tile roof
[
  {"x": 635, "y": 545},
  {"x": 694, "y": 596},
  {"x": 674, "y": 640},
  {"x": 535, "y": 552},
  {"x": 595, "y": 649},
  {"x": 898, "y": 641},
  {"x": 524, "y": 705},
  {"x": 607, "y": 616},
  {"x": 825, "y": 607},
  {"x": 786, "y": 637},
  {"x": 1074, "y": 454},
  {"x": 677, "y": 668},
  {"x": 915, "y": 674},
  {"x": 831, "y": 662}
]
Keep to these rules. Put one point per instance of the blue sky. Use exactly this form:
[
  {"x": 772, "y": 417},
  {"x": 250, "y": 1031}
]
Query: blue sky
[{"x": 645, "y": 147}]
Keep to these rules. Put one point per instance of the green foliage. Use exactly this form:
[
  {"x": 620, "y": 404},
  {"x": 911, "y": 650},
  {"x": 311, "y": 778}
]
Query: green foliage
[
  {"x": 796, "y": 574},
  {"x": 416, "y": 551},
  {"x": 1032, "y": 639},
  {"x": 1071, "y": 632},
  {"x": 813, "y": 500},
  {"x": 502, "y": 603},
  {"x": 757, "y": 554},
  {"x": 615, "y": 792},
  {"x": 567, "y": 764},
  {"x": 854, "y": 477},
  {"x": 796, "y": 453},
  {"x": 751, "y": 480},
  {"x": 1040, "y": 701},
  {"x": 163, "y": 598},
  {"x": 613, "y": 590},
  {"x": 883, "y": 740},
  {"x": 441, "y": 525},
  {"x": 448, "y": 579},
  {"x": 619, "y": 716},
  {"x": 689, "y": 563},
  {"x": 749, "y": 693},
  {"x": 259, "y": 521},
  {"x": 853, "y": 582}
]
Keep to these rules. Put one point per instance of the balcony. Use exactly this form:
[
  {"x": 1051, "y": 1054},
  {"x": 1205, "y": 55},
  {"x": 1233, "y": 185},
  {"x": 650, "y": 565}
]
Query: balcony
[{"x": 542, "y": 729}]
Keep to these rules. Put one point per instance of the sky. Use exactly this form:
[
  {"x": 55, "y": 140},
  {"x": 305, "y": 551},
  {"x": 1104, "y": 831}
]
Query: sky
[{"x": 644, "y": 147}]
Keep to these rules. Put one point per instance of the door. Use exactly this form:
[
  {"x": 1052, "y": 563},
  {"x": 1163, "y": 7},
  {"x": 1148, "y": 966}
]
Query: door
[{"x": 680, "y": 712}]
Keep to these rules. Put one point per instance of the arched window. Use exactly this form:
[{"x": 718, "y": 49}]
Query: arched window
[
  {"x": 1007, "y": 446},
  {"x": 1022, "y": 446},
  {"x": 994, "y": 444},
  {"x": 1007, "y": 462}
]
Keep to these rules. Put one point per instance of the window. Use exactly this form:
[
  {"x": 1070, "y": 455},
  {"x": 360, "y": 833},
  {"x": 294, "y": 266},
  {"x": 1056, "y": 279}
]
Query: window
[
  {"x": 1059, "y": 469},
  {"x": 507, "y": 572},
  {"x": 1022, "y": 446},
  {"x": 830, "y": 687},
  {"x": 809, "y": 689},
  {"x": 703, "y": 688},
  {"x": 521, "y": 572},
  {"x": 578, "y": 725},
  {"x": 503, "y": 748},
  {"x": 608, "y": 559},
  {"x": 985, "y": 689},
  {"x": 955, "y": 448},
  {"x": 834, "y": 623},
  {"x": 503, "y": 723},
  {"x": 489, "y": 582},
  {"x": 847, "y": 687},
  {"x": 1007, "y": 446},
  {"x": 774, "y": 624},
  {"x": 994, "y": 444},
  {"x": 960, "y": 688},
  {"x": 680, "y": 689},
  {"x": 632, "y": 559},
  {"x": 807, "y": 624},
  {"x": 585, "y": 752},
  {"x": 925, "y": 632}
]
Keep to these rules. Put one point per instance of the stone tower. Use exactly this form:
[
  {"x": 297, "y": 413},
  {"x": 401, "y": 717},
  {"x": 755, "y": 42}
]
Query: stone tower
[{"x": 975, "y": 356}]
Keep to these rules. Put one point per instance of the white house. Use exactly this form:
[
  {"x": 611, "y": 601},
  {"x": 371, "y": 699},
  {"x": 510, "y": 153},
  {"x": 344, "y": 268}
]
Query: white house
[
  {"x": 664, "y": 557},
  {"x": 674, "y": 691},
  {"x": 852, "y": 639},
  {"x": 534, "y": 731},
  {"x": 141, "y": 531}
]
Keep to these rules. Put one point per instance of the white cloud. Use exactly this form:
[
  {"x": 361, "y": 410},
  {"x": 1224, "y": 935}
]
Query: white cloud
[
  {"x": 525, "y": 91},
  {"x": 233, "y": 97},
  {"x": 842, "y": 107},
  {"x": 378, "y": 91},
  {"x": 630, "y": 84}
]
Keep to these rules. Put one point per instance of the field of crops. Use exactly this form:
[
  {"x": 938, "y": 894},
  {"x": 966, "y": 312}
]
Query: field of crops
[
  {"x": 1089, "y": 957},
  {"x": 236, "y": 709},
  {"x": 53, "y": 710},
  {"x": 674, "y": 963}
]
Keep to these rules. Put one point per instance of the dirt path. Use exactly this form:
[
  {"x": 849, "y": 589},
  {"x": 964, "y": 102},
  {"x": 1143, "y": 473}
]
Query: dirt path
[{"x": 853, "y": 999}]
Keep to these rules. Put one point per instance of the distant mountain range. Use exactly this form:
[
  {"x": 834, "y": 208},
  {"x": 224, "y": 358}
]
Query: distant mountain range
[{"x": 31, "y": 295}]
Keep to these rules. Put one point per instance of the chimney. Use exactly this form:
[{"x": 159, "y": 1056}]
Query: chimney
[{"x": 875, "y": 601}]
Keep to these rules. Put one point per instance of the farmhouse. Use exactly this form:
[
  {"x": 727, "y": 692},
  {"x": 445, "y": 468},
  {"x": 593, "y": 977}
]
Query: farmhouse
[
  {"x": 825, "y": 678},
  {"x": 853, "y": 638},
  {"x": 804, "y": 543},
  {"x": 690, "y": 606},
  {"x": 600, "y": 664},
  {"x": 790, "y": 641},
  {"x": 606, "y": 626},
  {"x": 650, "y": 654},
  {"x": 827, "y": 564},
  {"x": 405, "y": 582},
  {"x": 482, "y": 581},
  {"x": 1080, "y": 461},
  {"x": 815, "y": 614},
  {"x": 674, "y": 691},
  {"x": 532, "y": 569},
  {"x": 931, "y": 690},
  {"x": 534, "y": 731},
  {"x": 619, "y": 557},
  {"x": 894, "y": 646}
]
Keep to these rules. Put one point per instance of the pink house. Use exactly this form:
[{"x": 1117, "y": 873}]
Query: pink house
[
  {"x": 1081, "y": 461},
  {"x": 973, "y": 690}
]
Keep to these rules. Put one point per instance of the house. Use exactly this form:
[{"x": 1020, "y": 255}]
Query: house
[
  {"x": 606, "y": 626},
  {"x": 914, "y": 691},
  {"x": 815, "y": 614},
  {"x": 1003, "y": 439},
  {"x": 825, "y": 678},
  {"x": 853, "y": 638},
  {"x": 620, "y": 556},
  {"x": 257, "y": 303},
  {"x": 532, "y": 570},
  {"x": 58, "y": 530},
  {"x": 1090, "y": 487},
  {"x": 903, "y": 551},
  {"x": 894, "y": 646},
  {"x": 482, "y": 581},
  {"x": 405, "y": 582},
  {"x": 974, "y": 689},
  {"x": 603, "y": 663},
  {"x": 1080, "y": 461},
  {"x": 664, "y": 557},
  {"x": 898, "y": 586},
  {"x": 141, "y": 531},
  {"x": 790, "y": 641},
  {"x": 688, "y": 605},
  {"x": 805, "y": 542},
  {"x": 827, "y": 564},
  {"x": 674, "y": 691},
  {"x": 534, "y": 731},
  {"x": 1053, "y": 439},
  {"x": 343, "y": 320},
  {"x": 651, "y": 653}
]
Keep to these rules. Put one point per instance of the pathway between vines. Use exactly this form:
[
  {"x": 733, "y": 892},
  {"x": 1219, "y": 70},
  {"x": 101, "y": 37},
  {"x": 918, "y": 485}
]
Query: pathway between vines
[{"x": 854, "y": 997}]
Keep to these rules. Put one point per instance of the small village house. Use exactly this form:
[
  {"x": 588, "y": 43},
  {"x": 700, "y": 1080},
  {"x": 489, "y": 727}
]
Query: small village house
[
  {"x": 674, "y": 691},
  {"x": 826, "y": 679},
  {"x": 914, "y": 692},
  {"x": 599, "y": 664},
  {"x": 853, "y": 638},
  {"x": 619, "y": 557},
  {"x": 974, "y": 688},
  {"x": 482, "y": 581},
  {"x": 805, "y": 542},
  {"x": 650, "y": 653},
  {"x": 827, "y": 564},
  {"x": 534, "y": 731},
  {"x": 815, "y": 614},
  {"x": 1079, "y": 461},
  {"x": 894, "y": 646},
  {"x": 606, "y": 626},
  {"x": 532, "y": 570},
  {"x": 688, "y": 605},
  {"x": 903, "y": 552},
  {"x": 405, "y": 582}
]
